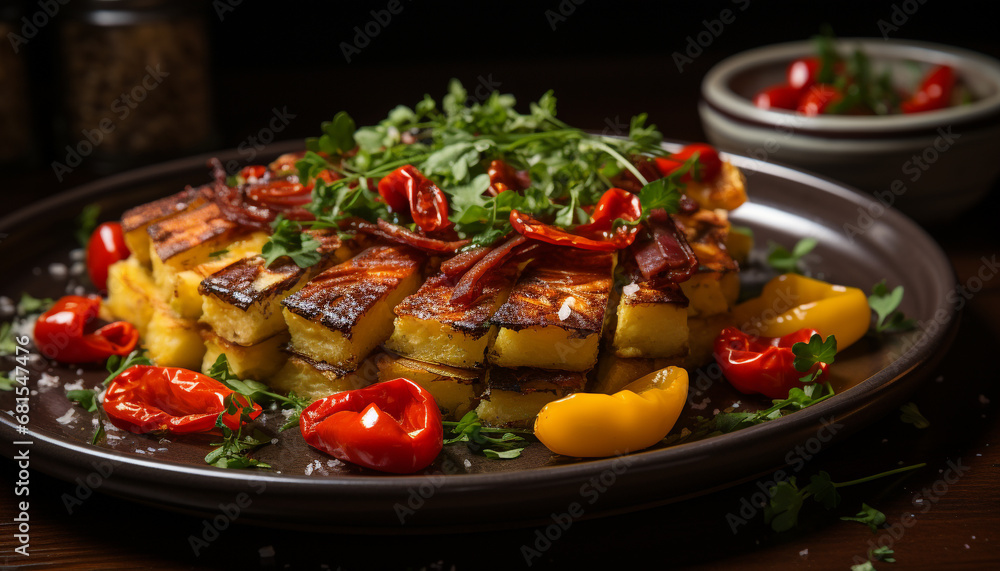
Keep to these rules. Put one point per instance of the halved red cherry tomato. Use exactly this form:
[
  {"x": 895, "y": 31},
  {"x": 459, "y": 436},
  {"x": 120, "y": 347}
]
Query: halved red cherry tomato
[
  {"x": 145, "y": 399},
  {"x": 280, "y": 194},
  {"x": 408, "y": 187},
  {"x": 253, "y": 171},
  {"x": 777, "y": 97},
  {"x": 61, "y": 332},
  {"x": 392, "y": 426},
  {"x": 934, "y": 93},
  {"x": 106, "y": 246},
  {"x": 709, "y": 164},
  {"x": 818, "y": 98},
  {"x": 801, "y": 74}
]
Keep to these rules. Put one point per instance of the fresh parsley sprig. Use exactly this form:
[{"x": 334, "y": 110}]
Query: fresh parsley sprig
[
  {"x": 288, "y": 239},
  {"x": 812, "y": 353},
  {"x": 787, "y": 499},
  {"x": 785, "y": 261},
  {"x": 471, "y": 431},
  {"x": 885, "y": 304},
  {"x": 256, "y": 391},
  {"x": 232, "y": 451}
]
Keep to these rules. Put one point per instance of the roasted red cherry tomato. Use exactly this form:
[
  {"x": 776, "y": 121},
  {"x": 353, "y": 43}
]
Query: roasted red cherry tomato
[
  {"x": 145, "y": 399},
  {"x": 393, "y": 426},
  {"x": 503, "y": 177},
  {"x": 778, "y": 97},
  {"x": 801, "y": 74},
  {"x": 61, "y": 333},
  {"x": 762, "y": 365},
  {"x": 106, "y": 246},
  {"x": 818, "y": 98},
  {"x": 406, "y": 187},
  {"x": 709, "y": 164},
  {"x": 934, "y": 92}
]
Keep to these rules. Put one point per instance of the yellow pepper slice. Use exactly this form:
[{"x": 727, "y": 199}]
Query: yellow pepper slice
[
  {"x": 596, "y": 425},
  {"x": 791, "y": 302}
]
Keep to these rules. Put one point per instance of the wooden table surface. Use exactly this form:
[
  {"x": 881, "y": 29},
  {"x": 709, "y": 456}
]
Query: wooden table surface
[{"x": 946, "y": 515}]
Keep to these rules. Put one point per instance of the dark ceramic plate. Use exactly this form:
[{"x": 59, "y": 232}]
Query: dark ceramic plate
[{"x": 463, "y": 491}]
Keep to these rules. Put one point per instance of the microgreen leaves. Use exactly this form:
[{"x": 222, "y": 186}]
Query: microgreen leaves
[
  {"x": 868, "y": 516},
  {"x": 814, "y": 352},
  {"x": 910, "y": 414}
]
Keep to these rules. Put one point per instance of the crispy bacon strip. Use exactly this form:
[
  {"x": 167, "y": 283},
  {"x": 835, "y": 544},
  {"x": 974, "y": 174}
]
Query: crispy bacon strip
[
  {"x": 668, "y": 256},
  {"x": 256, "y": 206},
  {"x": 470, "y": 286},
  {"x": 395, "y": 233}
]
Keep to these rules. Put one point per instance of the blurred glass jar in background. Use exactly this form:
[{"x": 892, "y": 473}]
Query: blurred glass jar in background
[
  {"x": 16, "y": 137},
  {"x": 135, "y": 81}
]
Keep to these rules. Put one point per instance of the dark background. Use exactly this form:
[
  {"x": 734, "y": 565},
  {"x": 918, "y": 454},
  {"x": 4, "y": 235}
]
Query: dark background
[{"x": 606, "y": 61}]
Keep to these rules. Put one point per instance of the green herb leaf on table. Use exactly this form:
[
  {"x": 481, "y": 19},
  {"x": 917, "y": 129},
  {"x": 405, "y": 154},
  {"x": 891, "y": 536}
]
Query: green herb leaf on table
[
  {"x": 6, "y": 383},
  {"x": 785, "y": 261},
  {"x": 885, "y": 304},
  {"x": 882, "y": 554},
  {"x": 910, "y": 414},
  {"x": 257, "y": 391},
  {"x": 86, "y": 222},
  {"x": 868, "y": 516},
  {"x": 8, "y": 346},
  {"x": 866, "y": 566},
  {"x": 289, "y": 240}
]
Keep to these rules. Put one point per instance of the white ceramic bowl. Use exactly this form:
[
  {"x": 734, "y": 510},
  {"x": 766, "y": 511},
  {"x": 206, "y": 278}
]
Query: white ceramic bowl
[{"x": 930, "y": 165}]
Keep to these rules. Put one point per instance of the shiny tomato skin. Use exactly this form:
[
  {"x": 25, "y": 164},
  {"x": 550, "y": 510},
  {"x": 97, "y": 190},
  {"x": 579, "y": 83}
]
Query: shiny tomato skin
[
  {"x": 934, "y": 93},
  {"x": 818, "y": 98},
  {"x": 106, "y": 246},
  {"x": 777, "y": 97},
  {"x": 801, "y": 73}
]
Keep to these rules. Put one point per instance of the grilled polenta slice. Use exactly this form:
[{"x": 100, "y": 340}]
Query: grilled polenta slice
[
  {"x": 258, "y": 361},
  {"x": 242, "y": 301},
  {"x": 704, "y": 330},
  {"x": 555, "y": 314},
  {"x": 716, "y": 285},
  {"x": 135, "y": 221},
  {"x": 314, "y": 380},
  {"x": 455, "y": 390},
  {"x": 430, "y": 328},
  {"x": 132, "y": 296},
  {"x": 652, "y": 322},
  {"x": 185, "y": 298},
  {"x": 346, "y": 311},
  {"x": 513, "y": 397}
]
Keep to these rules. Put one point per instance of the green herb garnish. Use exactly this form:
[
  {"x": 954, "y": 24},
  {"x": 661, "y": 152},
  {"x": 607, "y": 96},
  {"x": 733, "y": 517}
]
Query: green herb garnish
[
  {"x": 885, "y": 304},
  {"x": 471, "y": 431}
]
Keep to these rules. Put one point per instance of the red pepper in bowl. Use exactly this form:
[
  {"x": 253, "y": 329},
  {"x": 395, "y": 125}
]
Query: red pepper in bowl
[
  {"x": 763, "y": 365},
  {"x": 61, "y": 333},
  {"x": 145, "y": 399},
  {"x": 393, "y": 426}
]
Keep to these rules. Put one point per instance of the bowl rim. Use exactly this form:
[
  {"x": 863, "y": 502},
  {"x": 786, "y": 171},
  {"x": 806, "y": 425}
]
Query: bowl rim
[{"x": 718, "y": 94}]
